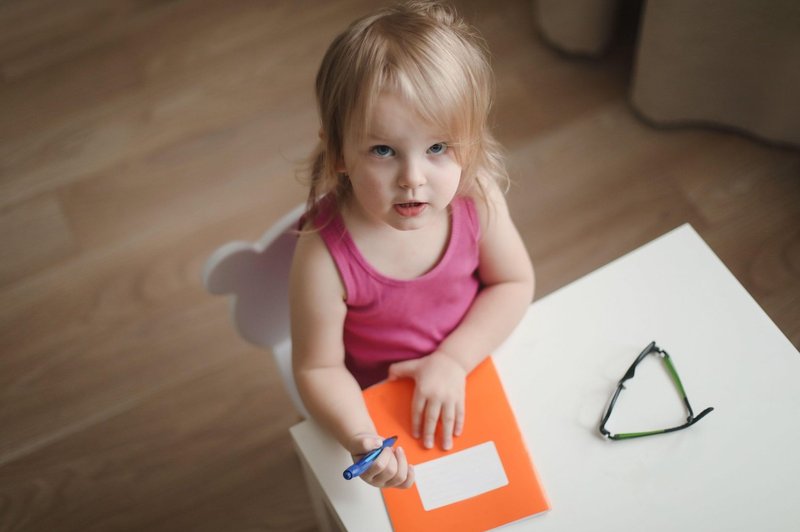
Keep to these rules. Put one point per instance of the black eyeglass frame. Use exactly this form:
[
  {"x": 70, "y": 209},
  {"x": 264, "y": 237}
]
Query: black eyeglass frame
[{"x": 652, "y": 348}]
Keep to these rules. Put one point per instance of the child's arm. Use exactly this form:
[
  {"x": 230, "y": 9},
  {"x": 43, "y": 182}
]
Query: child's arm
[
  {"x": 507, "y": 275},
  {"x": 329, "y": 391}
]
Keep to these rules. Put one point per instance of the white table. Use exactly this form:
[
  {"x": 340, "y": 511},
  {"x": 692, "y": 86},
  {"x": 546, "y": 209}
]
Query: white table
[{"x": 737, "y": 469}]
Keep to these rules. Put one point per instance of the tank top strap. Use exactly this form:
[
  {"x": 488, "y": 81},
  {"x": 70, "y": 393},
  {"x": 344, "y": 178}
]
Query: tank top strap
[
  {"x": 467, "y": 216},
  {"x": 340, "y": 245}
]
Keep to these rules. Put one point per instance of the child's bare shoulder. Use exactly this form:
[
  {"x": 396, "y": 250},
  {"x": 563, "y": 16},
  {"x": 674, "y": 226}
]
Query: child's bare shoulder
[
  {"x": 313, "y": 267},
  {"x": 490, "y": 203}
]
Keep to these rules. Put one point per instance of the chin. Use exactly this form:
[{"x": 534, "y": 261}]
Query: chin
[{"x": 406, "y": 224}]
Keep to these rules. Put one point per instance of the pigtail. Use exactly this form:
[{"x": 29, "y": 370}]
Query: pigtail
[
  {"x": 324, "y": 189},
  {"x": 316, "y": 170}
]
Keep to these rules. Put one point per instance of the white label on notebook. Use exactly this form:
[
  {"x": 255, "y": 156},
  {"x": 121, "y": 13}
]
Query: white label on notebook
[{"x": 459, "y": 476}]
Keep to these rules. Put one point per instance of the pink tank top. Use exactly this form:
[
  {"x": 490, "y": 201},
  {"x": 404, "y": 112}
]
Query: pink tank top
[{"x": 389, "y": 320}]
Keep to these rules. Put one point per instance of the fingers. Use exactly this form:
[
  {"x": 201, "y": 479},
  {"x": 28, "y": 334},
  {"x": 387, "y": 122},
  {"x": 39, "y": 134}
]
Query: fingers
[
  {"x": 428, "y": 413},
  {"x": 425, "y": 416},
  {"x": 431, "y": 417},
  {"x": 364, "y": 443},
  {"x": 438, "y": 393},
  {"x": 391, "y": 469},
  {"x": 460, "y": 416},
  {"x": 452, "y": 416},
  {"x": 417, "y": 409},
  {"x": 448, "y": 425},
  {"x": 409, "y": 481}
]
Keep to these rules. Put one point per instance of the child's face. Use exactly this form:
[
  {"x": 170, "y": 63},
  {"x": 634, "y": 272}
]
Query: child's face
[{"x": 403, "y": 173}]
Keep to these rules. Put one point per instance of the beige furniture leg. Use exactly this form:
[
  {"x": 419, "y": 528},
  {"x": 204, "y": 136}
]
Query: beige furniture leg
[{"x": 326, "y": 518}]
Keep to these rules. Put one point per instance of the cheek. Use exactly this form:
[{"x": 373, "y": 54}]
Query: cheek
[
  {"x": 372, "y": 182},
  {"x": 370, "y": 190},
  {"x": 451, "y": 173}
]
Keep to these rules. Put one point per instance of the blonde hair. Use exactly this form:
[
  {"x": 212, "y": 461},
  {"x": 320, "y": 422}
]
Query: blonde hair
[{"x": 428, "y": 54}]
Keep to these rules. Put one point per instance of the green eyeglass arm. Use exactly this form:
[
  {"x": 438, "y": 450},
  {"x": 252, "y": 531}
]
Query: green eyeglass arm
[
  {"x": 690, "y": 420},
  {"x": 631, "y": 435},
  {"x": 674, "y": 374}
]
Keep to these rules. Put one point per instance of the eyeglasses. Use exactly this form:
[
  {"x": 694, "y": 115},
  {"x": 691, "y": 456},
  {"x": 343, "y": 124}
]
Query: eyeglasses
[{"x": 690, "y": 420}]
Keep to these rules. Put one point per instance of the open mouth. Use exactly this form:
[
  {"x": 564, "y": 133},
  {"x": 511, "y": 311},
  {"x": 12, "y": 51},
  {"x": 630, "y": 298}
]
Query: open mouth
[{"x": 412, "y": 208}]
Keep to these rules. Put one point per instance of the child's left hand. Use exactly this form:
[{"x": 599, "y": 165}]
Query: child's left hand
[{"x": 439, "y": 392}]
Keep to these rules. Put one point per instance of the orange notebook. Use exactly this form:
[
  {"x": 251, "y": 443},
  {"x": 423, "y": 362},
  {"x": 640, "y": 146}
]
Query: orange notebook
[{"x": 488, "y": 419}]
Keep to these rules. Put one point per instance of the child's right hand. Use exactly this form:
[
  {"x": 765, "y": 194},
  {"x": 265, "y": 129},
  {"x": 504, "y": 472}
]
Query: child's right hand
[{"x": 390, "y": 470}]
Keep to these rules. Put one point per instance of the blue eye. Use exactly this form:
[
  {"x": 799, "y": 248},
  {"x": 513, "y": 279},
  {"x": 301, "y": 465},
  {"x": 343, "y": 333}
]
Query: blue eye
[
  {"x": 382, "y": 151},
  {"x": 438, "y": 148}
]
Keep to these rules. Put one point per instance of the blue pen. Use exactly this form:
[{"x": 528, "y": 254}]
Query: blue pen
[{"x": 366, "y": 460}]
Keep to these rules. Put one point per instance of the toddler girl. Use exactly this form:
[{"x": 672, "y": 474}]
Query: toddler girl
[{"x": 409, "y": 265}]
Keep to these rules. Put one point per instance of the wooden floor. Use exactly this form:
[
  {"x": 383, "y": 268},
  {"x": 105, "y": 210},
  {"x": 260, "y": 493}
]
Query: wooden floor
[{"x": 137, "y": 135}]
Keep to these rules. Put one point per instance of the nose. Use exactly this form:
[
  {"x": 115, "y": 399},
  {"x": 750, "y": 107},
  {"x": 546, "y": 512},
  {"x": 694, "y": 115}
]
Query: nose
[{"x": 412, "y": 175}]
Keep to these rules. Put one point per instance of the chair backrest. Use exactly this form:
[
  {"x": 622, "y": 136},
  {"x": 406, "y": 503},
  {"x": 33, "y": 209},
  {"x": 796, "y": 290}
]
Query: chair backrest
[{"x": 256, "y": 277}]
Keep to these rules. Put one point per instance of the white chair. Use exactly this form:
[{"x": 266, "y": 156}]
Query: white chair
[{"x": 256, "y": 277}]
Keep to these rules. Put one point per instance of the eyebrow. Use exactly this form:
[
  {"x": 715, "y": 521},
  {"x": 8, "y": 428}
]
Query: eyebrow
[
  {"x": 377, "y": 134},
  {"x": 376, "y": 137}
]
